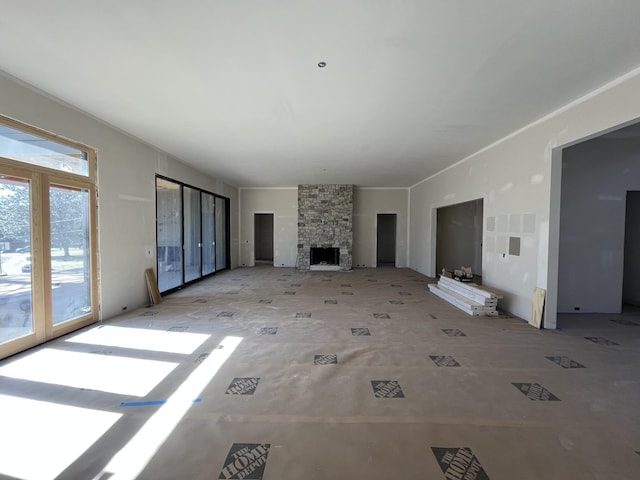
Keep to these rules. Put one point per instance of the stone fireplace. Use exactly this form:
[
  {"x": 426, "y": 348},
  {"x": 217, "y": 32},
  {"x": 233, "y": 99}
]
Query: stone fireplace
[{"x": 325, "y": 227}]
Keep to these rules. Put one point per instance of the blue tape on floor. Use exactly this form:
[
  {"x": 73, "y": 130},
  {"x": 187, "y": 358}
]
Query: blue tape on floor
[{"x": 150, "y": 403}]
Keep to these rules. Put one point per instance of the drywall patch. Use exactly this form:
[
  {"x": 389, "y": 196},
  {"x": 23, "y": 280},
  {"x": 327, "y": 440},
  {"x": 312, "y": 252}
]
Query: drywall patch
[
  {"x": 491, "y": 224},
  {"x": 503, "y": 223},
  {"x": 536, "y": 392},
  {"x": 514, "y": 246},
  {"x": 529, "y": 223},
  {"x": 515, "y": 223},
  {"x": 459, "y": 463},
  {"x": 245, "y": 461},
  {"x": 565, "y": 362},
  {"x": 537, "y": 179},
  {"x": 387, "y": 389}
]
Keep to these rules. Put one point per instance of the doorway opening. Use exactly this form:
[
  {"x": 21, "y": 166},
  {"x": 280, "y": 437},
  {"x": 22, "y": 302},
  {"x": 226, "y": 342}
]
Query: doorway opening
[
  {"x": 631, "y": 278},
  {"x": 263, "y": 238},
  {"x": 386, "y": 240},
  {"x": 459, "y": 237},
  {"x": 598, "y": 225}
]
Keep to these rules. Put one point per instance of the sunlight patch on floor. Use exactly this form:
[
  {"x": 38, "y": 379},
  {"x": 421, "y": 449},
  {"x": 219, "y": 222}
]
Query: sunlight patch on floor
[
  {"x": 106, "y": 373},
  {"x": 41, "y": 439},
  {"x": 142, "y": 339}
]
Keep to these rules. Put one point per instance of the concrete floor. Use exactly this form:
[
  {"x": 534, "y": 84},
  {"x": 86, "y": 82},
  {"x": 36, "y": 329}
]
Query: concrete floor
[{"x": 275, "y": 374}]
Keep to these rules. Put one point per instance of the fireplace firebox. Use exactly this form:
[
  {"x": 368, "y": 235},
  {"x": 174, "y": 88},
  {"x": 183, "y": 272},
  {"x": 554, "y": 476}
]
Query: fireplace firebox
[{"x": 325, "y": 256}]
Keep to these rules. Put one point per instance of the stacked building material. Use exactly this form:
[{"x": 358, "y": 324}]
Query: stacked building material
[{"x": 468, "y": 297}]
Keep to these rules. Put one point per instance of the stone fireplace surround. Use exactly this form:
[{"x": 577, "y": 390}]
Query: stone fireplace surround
[{"x": 325, "y": 220}]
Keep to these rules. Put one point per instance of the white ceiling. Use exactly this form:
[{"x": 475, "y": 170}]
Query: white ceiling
[{"x": 233, "y": 86}]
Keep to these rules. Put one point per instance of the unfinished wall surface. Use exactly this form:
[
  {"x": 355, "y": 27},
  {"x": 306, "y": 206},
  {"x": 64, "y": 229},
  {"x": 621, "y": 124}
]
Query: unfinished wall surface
[
  {"x": 367, "y": 203},
  {"x": 126, "y": 187},
  {"x": 325, "y": 220},
  {"x": 283, "y": 203},
  {"x": 596, "y": 176},
  {"x": 514, "y": 177},
  {"x": 459, "y": 237}
]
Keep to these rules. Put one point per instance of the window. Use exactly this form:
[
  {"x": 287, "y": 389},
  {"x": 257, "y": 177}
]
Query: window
[{"x": 48, "y": 253}]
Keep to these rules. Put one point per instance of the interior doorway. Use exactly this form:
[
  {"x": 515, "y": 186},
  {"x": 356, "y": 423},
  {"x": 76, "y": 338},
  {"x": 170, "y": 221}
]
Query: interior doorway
[
  {"x": 386, "y": 240},
  {"x": 459, "y": 237},
  {"x": 263, "y": 237},
  {"x": 631, "y": 277}
]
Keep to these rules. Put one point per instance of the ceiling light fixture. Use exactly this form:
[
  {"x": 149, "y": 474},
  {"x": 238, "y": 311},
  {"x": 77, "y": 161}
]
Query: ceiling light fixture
[{"x": 322, "y": 64}]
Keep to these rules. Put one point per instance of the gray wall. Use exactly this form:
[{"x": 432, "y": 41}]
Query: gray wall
[{"x": 596, "y": 176}]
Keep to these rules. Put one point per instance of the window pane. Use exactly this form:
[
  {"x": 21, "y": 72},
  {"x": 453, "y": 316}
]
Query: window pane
[
  {"x": 29, "y": 148},
  {"x": 192, "y": 243},
  {"x": 70, "y": 251},
  {"x": 208, "y": 238},
  {"x": 169, "y": 234},
  {"x": 15, "y": 259}
]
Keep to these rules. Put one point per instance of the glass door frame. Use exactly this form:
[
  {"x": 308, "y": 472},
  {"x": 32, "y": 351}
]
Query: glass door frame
[
  {"x": 227, "y": 243},
  {"x": 40, "y": 180}
]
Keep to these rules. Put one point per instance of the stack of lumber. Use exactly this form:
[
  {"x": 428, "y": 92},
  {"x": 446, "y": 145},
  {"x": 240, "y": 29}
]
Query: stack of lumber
[{"x": 468, "y": 297}]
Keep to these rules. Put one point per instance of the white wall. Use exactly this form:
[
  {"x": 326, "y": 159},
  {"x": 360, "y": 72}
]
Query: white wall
[
  {"x": 126, "y": 187},
  {"x": 367, "y": 203},
  {"x": 595, "y": 178},
  {"x": 283, "y": 203},
  {"x": 513, "y": 177}
]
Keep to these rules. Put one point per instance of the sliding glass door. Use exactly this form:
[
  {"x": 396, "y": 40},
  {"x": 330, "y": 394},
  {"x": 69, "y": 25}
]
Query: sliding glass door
[
  {"x": 169, "y": 234},
  {"x": 192, "y": 233},
  {"x": 222, "y": 229},
  {"x": 208, "y": 234}
]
